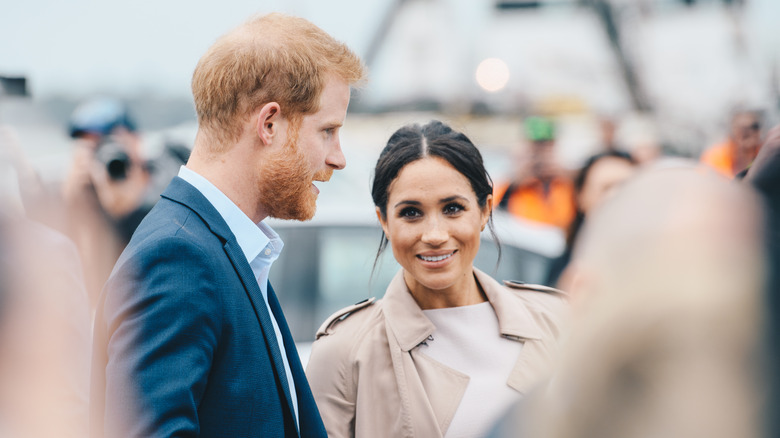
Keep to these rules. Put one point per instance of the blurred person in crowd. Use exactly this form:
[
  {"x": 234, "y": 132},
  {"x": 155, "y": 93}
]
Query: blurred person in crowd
[
  {"x": 641, "y": 138},
  {"x": 668, "y": 313},
  {"x": 738, "y": 151},
  {"x": 189, "y": 337},
  {"x": 44, "y": 325},
  {"x": 110, "y": 185},
  {"x": 608, "y": 129},
  {"x": 539, "y": 190},
  {"x": 448, "y": 348},
  {"x": 601, "y": 174}
]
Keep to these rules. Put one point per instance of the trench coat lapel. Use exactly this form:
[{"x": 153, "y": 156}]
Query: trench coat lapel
[
  {"x": 514, "y": 319},
  {"x": 421, "y": 391},
  {"x": 427, "y": 410},
  {"x": 517, "y": 323},
  {"x": 404, "y": 317}
]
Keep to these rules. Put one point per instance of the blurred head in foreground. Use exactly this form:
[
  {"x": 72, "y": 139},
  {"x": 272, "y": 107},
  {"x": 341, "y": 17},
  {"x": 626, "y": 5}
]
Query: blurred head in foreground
[
  {"x": 666, "y": 333},
  {"x": 44, "y": 333}
]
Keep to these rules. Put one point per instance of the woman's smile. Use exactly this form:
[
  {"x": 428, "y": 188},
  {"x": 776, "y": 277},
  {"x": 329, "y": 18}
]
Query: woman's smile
[{"x": 436, "y": 258}]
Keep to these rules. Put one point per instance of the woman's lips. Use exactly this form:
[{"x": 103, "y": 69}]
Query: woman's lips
[{"x": 435, "y": 258}]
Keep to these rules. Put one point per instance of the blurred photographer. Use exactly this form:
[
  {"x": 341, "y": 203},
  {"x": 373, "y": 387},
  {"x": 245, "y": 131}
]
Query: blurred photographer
[
  {"x": 108, "y": 173},
  {"x": 738, "y": 151},
  {"x": 110, "y": 186}
]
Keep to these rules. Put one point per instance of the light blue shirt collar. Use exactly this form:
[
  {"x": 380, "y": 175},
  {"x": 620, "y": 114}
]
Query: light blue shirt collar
[{"x": 254, "y": 239}]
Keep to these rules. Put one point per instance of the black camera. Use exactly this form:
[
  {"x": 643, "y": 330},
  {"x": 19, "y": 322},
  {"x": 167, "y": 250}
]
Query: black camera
[{"x": 111, "y": 153}]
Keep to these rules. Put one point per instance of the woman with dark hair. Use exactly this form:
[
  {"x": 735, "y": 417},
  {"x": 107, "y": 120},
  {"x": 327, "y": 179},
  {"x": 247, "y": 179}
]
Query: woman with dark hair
[
  {"x": 600, "y": 174},
  {"x": 448, "y": 348}
]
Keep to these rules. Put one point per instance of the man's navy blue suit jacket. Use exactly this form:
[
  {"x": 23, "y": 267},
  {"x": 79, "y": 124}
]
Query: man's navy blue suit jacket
[{"x": 183, "y": 341}]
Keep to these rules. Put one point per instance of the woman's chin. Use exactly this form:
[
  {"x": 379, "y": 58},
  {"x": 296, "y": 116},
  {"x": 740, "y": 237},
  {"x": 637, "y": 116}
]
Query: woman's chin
[{"x": 432, "y": 282}]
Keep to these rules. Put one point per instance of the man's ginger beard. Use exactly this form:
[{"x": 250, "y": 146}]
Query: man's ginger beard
[{"x": 286, "y": 182}]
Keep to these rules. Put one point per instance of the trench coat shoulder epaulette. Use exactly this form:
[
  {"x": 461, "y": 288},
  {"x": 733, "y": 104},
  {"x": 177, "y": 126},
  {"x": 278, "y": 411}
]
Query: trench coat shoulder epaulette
[
  {"x": 522, "y": 286},
  {"x": 343, "y": 314},
  {"x": 551, "y": 302}
]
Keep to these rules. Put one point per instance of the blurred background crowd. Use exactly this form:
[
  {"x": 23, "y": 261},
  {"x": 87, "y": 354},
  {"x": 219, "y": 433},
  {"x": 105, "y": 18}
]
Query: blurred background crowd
[{"x": 568, "y": 100}]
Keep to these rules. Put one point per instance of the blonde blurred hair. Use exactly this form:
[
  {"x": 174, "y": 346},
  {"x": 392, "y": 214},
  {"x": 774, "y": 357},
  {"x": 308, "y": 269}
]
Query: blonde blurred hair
[
  {"x": 270, "y": 58},
  {"x": 666, "y": 335}
]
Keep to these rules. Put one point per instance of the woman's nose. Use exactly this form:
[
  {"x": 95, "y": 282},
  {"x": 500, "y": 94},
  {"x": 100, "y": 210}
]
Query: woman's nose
[{"x": 435, "y": 233}]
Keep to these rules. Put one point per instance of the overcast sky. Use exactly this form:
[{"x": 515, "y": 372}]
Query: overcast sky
[
  {"x": 84, "y": 47},
  {"x": 87, "y": 46}
]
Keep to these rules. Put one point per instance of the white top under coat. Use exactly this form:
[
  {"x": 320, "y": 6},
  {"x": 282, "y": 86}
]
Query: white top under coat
[{"x": 468, "y": 339}]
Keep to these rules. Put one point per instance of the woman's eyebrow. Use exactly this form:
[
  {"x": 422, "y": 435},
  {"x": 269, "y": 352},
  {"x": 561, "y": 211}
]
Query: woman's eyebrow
[
  {"x": 407, "y": 202},
  {"x": 453, "y": 198}
]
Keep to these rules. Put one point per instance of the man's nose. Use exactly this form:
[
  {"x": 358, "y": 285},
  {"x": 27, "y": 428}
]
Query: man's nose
[{"x": 335, "y": 158}]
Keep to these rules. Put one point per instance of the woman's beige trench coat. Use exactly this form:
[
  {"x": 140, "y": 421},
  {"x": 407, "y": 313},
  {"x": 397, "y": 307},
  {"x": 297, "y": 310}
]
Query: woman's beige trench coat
[{"x": 370, "y": 380}]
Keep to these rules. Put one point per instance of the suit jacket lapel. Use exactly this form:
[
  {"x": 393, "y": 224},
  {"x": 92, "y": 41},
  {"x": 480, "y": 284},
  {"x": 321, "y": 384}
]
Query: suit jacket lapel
[
  {"x": 261, "y": 311},
  {"x": 182, "y": 192},
  {"x": 311, "y": 424}
]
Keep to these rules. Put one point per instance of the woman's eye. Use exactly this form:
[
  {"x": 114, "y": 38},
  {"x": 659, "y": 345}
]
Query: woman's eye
[
  {"x": 410, "y": 212},
  {"x": 453, "y": 208}
]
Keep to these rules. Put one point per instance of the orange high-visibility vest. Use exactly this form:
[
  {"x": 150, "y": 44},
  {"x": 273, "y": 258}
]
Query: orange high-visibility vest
[
  {"x": 720, "y": 158},
  {"x": 529, "y": 200}
]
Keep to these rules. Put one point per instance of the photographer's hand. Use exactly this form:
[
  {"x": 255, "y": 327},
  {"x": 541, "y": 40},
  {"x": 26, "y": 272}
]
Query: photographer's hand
[
  {"x": 121, "y": 197},
  {"x": 89, "y": 189},
  {"x": 77, "y": 188}
]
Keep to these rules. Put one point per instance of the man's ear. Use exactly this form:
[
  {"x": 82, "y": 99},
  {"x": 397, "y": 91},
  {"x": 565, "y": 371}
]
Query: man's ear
[{"x": 267, "y": 122}]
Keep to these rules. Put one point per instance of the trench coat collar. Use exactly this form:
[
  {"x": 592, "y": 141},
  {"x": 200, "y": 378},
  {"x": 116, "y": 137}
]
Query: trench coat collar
[
  {"x": 514, "y": 318},
  {"x": 411, "y": 327}
]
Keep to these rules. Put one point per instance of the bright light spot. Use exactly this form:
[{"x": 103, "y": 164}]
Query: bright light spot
[{"x": 492, "y": 74}]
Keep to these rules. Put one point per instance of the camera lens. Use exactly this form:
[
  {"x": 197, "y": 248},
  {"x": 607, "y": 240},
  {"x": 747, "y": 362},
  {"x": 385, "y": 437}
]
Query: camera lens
[
  {"x": 117, "y": 168},
  {"x": 113, "y": 156}
]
